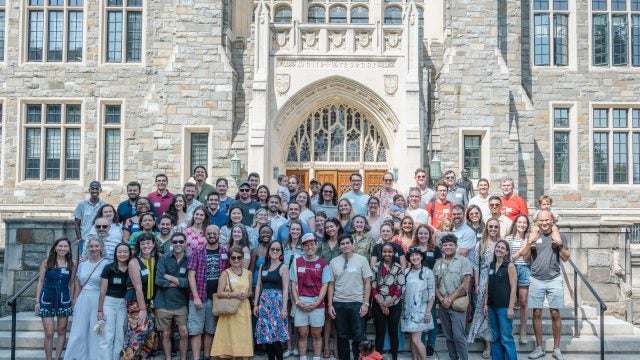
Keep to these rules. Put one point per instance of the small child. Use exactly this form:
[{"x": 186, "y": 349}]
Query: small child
[
  {"x": 368, "y": 351},
  {"x": 397, "y": 209},
  {"x": 283, "y": 190},
  {"x": 544, "y": 202}
]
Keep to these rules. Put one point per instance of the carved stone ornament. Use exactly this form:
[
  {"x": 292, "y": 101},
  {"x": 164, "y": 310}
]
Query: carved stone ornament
[
  {"x": 392, "y": 39},
  {"x": 390, "y": 84},
  {"x": 363, "y": 39},
  {"x": 309, "y": 39},
  {"x": 281, "y": 38},
  {"x": 282, "y": 82},
  {"x": 337, "y": 39}
]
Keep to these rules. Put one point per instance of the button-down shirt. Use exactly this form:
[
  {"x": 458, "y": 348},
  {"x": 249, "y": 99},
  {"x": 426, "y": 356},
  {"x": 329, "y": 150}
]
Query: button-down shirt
[
  {"x": 86, "y": 212},
  {"x": 168, "y": 297},
  {"x": 198, "y": 264},
  {"x": 450, "y": 275}
]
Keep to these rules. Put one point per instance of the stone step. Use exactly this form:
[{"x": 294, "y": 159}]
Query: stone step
[
  {"x": 25, "y": 339},
  {"x": 614, "y": 344},
  {"x": 612, "y": 326},
  {"x": 25, "y": 321}
]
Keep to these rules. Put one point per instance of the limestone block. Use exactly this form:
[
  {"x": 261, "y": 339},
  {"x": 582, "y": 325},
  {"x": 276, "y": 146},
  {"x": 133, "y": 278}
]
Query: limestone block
[
  {"x": 599, "y": 274},
  {"x": 608, "y": 292},
  {"x": 589, "y": 240},
  {"x": 597, "y": 257},
  {"x": 609, "y": 240},
  {"x": 31, "y": 260}
]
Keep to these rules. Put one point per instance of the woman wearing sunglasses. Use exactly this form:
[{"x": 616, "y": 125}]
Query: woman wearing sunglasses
[{"x": 233, "y": 332}]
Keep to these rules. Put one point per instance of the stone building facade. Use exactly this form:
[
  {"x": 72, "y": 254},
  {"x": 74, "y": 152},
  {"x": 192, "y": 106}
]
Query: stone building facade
[{"x": 544, "y": 91}]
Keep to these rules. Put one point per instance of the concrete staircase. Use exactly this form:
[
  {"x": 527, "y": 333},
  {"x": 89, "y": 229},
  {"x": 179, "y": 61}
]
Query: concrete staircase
[{"x": 622, "y": 340}]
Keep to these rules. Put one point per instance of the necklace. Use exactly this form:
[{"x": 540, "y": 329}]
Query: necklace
[{"x": 234, "y": 271}]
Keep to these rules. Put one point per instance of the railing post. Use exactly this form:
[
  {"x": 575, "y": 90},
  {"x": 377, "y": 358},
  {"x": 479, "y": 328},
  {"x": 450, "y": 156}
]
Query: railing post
[
  {"x": 576, "y": 329},
  {"x": 602, "y": 309},
  {"x": 13, "y": 330}
]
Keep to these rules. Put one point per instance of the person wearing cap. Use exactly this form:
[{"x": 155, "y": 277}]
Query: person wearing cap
[
  {"x": 314, "y": 188},
  {"x": 310, "y": 276},
  {"x": 202, "y": 188},
  {"x": 246, "y": 203},
  {"x": 86, "y": 211},
  {"x": 356, "y": 196},
  {"x": 349, "y": 292},
  {"x": 453, "y": 275}
]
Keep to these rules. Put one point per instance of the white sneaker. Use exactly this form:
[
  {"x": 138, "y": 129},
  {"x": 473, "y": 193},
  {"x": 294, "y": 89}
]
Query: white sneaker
[
  {"x": 557, "y": 354},
  {"x": 295, "y": 352},
  {"x": 537, "y": 353},
  {"x": 286, "y": 353}
]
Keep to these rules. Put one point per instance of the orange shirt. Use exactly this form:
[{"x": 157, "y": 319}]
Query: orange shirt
[
  {"x": 514, "y": 206},
  {"x": 441, "y": 212}
]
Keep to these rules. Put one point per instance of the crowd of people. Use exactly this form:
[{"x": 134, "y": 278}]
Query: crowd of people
[{"x": 263, "y": 272}]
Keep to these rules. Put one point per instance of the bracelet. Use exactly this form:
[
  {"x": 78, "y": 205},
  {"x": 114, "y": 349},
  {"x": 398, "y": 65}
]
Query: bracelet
[{"x": 99, "y": 311}]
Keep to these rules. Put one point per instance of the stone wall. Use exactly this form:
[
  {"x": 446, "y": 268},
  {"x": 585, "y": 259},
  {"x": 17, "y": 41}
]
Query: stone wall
[{"x": 27, "y": 244}]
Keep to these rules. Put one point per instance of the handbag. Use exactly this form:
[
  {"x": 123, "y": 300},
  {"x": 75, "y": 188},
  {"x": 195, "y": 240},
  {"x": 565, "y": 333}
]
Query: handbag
[{"x": 224, "y": 306}]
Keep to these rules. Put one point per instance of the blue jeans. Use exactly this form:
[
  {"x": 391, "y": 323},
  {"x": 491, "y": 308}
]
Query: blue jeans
[
  {"x": 349, "y": 325},
  {"x": 503, "y": 346}
]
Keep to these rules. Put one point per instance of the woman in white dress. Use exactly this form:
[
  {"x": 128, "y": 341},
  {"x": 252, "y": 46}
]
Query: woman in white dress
[
  {"x": 83, "y": 344},
  {"x": 419, "y": 295}
]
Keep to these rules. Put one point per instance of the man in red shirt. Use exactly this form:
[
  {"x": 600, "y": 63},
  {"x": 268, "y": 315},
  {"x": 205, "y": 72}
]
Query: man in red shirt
[
  {"x": 512, "y": 204},
  {"x": 440, "y": 208},
  {"x": 161, "y": 198}
]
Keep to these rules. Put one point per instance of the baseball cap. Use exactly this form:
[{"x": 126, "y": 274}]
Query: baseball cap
[
  {"x": 308, "y": 237},
  {"x": 95, "y": 184},
  {"x": 244, "y": 182},
  {"x": 314, "y": 180}
]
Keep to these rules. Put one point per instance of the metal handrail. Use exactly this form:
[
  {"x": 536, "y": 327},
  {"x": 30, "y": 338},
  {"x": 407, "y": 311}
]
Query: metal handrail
[
  {"x": 603, "y": 307},
  {"x": 13, "y": 301}
]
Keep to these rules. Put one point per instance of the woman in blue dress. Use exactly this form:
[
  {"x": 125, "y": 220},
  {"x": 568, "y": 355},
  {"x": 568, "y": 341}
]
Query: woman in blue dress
[{"x": 54, "y": 294}]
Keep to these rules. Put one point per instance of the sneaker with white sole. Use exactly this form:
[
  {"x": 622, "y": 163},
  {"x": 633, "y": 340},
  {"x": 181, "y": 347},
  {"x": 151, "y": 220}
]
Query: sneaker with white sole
[
  {"x": 537, "y": 353},
  {"x": 286, "y": 353},
  {"x": 295, "y": 352},
  {"x": 557, "y": 354}
]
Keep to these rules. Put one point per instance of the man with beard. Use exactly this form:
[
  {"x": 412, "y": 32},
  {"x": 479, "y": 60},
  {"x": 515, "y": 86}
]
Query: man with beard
[
  {"x": 356, "y": 196},
  {"x": 161, "y": 198},
  {"x": 127, "y": 208},
  {"x": 165, "y": 225},
  {"x": 216, "y": 217},
  {"x": 86, "y": 211},
  {"x": 455, "y": 194},
  {"x": 103, "y": 234},
  {"x": 202, "y": 188},
  {"x": 254, "y": 181},
  {"x": 246, "y": 204},
  {"x": 189, "y": 190},
  {"x": 293, "y": 213},
  {"x": 204, "y": 269},
  {"x": 275, "y": 219}
]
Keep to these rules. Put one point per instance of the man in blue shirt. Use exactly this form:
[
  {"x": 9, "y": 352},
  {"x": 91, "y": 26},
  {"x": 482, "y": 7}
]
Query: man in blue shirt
[
  {"x": 455, "y": 194},
  {"x": 293, "y": 212},
  {"x": 127, "y": 208},
  {"x": 216, "y": 217},
  {"x": 356, "y": 197}
]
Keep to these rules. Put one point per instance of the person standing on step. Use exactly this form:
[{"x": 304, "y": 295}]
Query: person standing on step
[{"x": 546, "y": 247}]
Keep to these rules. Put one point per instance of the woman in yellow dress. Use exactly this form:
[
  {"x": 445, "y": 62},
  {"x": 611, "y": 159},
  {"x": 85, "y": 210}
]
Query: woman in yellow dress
[{"x": 233, "y": 333}]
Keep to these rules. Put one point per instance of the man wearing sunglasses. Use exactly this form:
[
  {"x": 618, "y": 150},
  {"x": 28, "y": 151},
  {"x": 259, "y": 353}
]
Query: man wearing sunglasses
[
  {"x": 495, "y": 206},
  {"x": 422, "y": 183},
  {"x": 349, "y": 292},
  {"x": 109, "y": 239},
  {"x": 455, "y": 194},
  {"x": 170, "y": 300},
  {"x": 204, "y": 268},
  {"x": 246, "y": 203}
]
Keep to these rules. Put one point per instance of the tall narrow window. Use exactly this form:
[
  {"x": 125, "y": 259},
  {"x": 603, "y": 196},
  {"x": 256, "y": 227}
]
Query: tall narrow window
[
  {"x": 199, "y": 150},
  {"x": 2, "y": 10},
  {"x": 124, "y": 31},
  {"x": 551, "y": 47},
  {"x": 112, "y": 124},
  {"x": 561, "y": 159},
  {"x": 616, "y": 145},
  {"x": 52, "y": 141},
  {"x": 472, "y": 155},
  {"x": 616, "y": 32},
  {"x": 54, "y": 32}
]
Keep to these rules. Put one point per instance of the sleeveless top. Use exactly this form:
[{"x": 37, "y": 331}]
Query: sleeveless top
[
  {"x": 272, "y": 279},
  {"x": 147, "y": 275}
]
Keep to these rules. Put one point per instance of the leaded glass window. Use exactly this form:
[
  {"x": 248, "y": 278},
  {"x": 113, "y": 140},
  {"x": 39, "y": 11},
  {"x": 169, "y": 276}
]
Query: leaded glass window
[{"x": 337, "y": 133}]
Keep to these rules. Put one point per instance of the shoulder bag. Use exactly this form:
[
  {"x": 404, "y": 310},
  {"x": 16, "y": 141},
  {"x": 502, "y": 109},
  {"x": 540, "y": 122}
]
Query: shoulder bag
[{"x": 224, "y": 306}]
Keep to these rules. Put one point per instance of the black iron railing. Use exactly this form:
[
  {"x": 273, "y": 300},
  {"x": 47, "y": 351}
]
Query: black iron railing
[
  {"x": 13, "y": 303},
  {"x": 603, "y": 307}
]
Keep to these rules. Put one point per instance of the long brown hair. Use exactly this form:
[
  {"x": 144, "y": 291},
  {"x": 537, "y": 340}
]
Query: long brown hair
[
  {"x": 52, "y": 262},
  {"x": 484, "y": 243},
  {"x": 430, "y": 244}
]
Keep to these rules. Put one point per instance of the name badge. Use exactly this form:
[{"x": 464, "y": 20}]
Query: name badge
[
  {"x": 252, "y": 211},
  {"x": 508, "y": 210},
  {"x": 156, "y": 204},
  {"x": 223, "y": 256},
  {"x": 183, "y": 270},
  {"x": 233, "y": 280},
  {"x": 301, "y": 269},
  {"x": 170, "y": 247},
  {"x": 539, "y": 241},
  {"x": 429, "y": 253},
  {"x": 144, "y": 272},
  {"x": 458, "y": 195},
  {"x": 246, "y": 256},
  {"x": 64, "y": 271},
  {"x": 445, "y": 211},
  {"x": 491, "y": 272},
  {"x": 352, "y": 269},
  {"x": 265, "y": 272},
  {"x": 117, "y": 281}
]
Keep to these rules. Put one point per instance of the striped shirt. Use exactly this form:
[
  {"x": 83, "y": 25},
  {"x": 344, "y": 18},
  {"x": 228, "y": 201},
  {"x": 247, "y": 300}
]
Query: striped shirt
[{"x": 516, "y": 245}]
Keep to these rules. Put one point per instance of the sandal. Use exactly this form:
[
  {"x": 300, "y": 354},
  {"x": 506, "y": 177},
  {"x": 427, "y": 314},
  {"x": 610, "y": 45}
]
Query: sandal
[
  {"x": 326, "y": 354},
  {"x": 486, "y": 354}
]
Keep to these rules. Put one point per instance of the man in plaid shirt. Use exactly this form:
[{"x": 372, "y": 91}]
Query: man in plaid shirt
[{"x": 204, "y": 269}]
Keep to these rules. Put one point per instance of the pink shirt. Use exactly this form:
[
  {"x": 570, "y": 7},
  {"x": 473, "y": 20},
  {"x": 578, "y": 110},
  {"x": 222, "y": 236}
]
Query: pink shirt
[
  {"x": 195, "y": 240},
  {"x": 159, "y": 203}
]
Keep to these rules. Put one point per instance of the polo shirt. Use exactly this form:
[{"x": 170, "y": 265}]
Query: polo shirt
[
  {"x": 86, "y": 212},
  {"x": 160, "y": 203},
  {"x": 219, "y": 219}
]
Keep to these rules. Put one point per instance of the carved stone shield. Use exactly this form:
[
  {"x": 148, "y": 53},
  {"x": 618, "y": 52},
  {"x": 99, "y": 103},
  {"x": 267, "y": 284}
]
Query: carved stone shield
[
  {"x": 363, "y": 39},
  {"x": 282, "y": 82},
  {"x": 390, "y": 84}
]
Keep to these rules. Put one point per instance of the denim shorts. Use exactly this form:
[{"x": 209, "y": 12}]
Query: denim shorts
[
  {"x": 552, "y": 290},
  {"x": 524, "y": 272}
]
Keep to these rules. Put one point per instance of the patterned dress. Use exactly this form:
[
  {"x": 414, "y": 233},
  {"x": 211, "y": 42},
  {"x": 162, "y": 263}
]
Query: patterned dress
[
  {"x": 271, "y": 327},
  {"x": 418, "y": 292},
  {"x": 55, "y": 298},
  {"x": 480, "y": 324}
]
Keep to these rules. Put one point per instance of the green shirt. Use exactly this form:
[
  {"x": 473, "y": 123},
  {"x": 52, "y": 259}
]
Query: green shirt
[{"x": 450, "y": 275}]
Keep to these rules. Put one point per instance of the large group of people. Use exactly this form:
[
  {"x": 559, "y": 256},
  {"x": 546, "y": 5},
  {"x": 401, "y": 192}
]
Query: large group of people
[{"x": 263, "y": 271}]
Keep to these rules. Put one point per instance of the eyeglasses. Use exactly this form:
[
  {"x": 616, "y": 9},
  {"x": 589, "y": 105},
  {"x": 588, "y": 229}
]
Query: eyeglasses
[
  {"x": 449, "y": 177},
  {"x": 388, "y": 179},
  {"x": 236, "y": 258},
  {"x": 244, "y": 190},
  {"x": 494, "y": 205},
  {"x": 102, "y": 226},
  {"x": 327, "y": 191},
  {"x": 493, "y": 227},
  {"x": 420, "y": 176},
  {"x": 143, "y": 204},
  {"x": 212, "y": 233},
  {"x": 275, "y": 250},
  {"x": 177, "y": 241}
]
